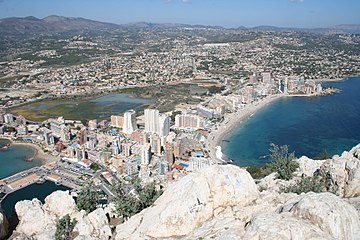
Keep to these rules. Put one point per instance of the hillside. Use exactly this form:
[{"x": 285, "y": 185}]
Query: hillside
[{"x": 50, "y": 25}]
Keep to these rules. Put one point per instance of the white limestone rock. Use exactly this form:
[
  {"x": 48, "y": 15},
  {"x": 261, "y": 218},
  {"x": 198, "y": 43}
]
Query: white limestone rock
[
  {"x": 345, "y": 172},
  {"x": 3, "y": 225},
  {"x": 60, "y": 203},
  {"x": 94, "y": 225},
  {"x": 190, "y": 202},
  {"x": 282, "y": 226},
  {"x": 222, "y": 226},
  {"x": 329, "y": 212},
  {"x": 38, "y": 221},
  {"x": 272, "y": 183},
  {"x": 33, "y": 219},
  {"x": 308, "y": 166}
]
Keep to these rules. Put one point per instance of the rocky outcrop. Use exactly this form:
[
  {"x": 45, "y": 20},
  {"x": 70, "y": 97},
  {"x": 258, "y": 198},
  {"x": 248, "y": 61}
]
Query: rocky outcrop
[
  {"x": 220, "y": 202},
  {"x": 3, "y": 225},
  {"x": 38, "y": 221},
  {"x": 60, "y": 203},
  {"x": 250, "y": 215},
  {"x": 308, "y": 167},
  {"x": 331, "y": 214},
  {"x": 345, "y": 172},
  {"x": 282, "y": 226},
  {"x": 188, "y": 203},
  {"x": 93, "y": 226}
]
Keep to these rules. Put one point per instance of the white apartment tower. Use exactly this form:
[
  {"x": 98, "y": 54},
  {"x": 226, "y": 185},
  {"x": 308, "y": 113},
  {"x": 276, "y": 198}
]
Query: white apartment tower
[
  {"x": 129, "y": 122},
  {"x": 164, "y": 125},
  {"x": 156, "y": 122},
  {"x": 151, "y": 120},
  {"x": 146, "y": 154}
]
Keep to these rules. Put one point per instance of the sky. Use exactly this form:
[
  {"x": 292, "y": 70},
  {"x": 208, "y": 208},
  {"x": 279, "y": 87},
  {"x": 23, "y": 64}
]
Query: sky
[{"x": 226, "y": 13}]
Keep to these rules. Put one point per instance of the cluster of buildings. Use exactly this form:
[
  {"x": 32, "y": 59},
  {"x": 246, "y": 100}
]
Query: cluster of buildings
[
  {"x": 156, "y": 58},
  {"x": 155, "y": 148}
]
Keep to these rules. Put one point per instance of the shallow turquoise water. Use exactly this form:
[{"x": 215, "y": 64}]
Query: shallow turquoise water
[
  {"x": 309, "y": 125},
  {"x": 13, "y": 160}
]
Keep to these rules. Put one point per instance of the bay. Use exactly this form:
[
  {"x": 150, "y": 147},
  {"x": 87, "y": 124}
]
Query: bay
[
  {"x": 13, "y": 159},
  {"x": 310, "y": 126}
]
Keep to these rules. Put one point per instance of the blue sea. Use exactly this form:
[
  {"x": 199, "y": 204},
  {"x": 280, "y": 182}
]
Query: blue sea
[
  {"x": 13, "y": 159},
  {"x": 310, "y": 126}
]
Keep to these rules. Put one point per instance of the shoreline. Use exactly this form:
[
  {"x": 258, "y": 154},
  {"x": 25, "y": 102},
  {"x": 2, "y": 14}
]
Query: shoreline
[
  {"x": 39, "y": 153},
  {"x": 234, "y": 120}
]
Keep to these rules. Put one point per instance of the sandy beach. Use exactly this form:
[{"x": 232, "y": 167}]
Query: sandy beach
[
  {"x": 39, "y": 153},
  {"x": 234, "y": 119}
]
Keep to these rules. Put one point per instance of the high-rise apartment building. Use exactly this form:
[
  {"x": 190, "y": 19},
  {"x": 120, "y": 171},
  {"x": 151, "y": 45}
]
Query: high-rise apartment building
[
  {"x": 117, "y": 121},
  {"x": 151, "y": 120},
  {"x": 189, "y": 121},
  {"x": 146, "y": 154},
  {"x": 129, "y": 122},
  {"x": 164, "y": 125},
  {"x": 156, "y": 122}
]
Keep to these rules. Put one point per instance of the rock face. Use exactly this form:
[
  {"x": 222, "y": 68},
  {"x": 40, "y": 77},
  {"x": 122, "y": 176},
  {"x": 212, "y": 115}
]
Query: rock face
[
  {"x": 188, "y": 203},
  {"x": 60, "y": 203},
  {"x": 37, "y": 221},
  {"x": 93, "y": 226},
  {"x": 330, "y": 213},
  {"x": 345, "y": 172},
  {"x": 3, "y": 225},
  {"x": 27, "y": 212},
  {"x": 282, "y": 226},
  {"x": 213, "y": 204}
]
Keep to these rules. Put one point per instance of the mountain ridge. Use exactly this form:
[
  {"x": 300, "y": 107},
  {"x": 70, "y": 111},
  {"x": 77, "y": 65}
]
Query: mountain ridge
[{"x": 60, "y": 24}]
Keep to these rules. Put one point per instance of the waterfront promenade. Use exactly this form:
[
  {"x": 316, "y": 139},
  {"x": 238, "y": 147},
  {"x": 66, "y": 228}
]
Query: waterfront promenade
[{"x": 37, "y": 175}]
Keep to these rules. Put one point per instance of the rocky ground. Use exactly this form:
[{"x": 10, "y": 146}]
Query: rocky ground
[{"x": 220, "y": 202}]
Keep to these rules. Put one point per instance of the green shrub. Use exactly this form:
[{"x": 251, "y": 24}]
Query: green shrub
[
  {"x": 282, "y": 161},
  {"x": 87, "y": 198},
  {"x": 64, "y": 228}
]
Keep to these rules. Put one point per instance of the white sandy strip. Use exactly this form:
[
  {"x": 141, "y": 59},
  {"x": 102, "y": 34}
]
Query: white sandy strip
[{"x": 233, "y": 120}]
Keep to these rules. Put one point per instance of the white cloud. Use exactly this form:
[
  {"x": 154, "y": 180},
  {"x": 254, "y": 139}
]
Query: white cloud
[{"x": 296, "y": 1}]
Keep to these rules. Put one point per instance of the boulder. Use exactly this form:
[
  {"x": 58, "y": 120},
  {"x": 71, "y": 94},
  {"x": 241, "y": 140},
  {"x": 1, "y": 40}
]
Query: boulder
[
  {"x": 94, "y": 225},
  {"x": 187, "y": 204},
  {"x": 345, "y": 172},
  {"x": 33, "y": 220},
  {"x": 60, "y": 203},
  {"x": 38, "y": 221},
  {"x": 308, "y": 166},
  {"x": 329, "y": 212},
  {"x": 3, "y": 225}
]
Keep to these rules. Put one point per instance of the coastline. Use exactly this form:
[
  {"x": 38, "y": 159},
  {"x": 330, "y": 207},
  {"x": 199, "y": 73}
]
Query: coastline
[
  {"x": 234, "y": 119},
  {"x": 39, "y": 153}
]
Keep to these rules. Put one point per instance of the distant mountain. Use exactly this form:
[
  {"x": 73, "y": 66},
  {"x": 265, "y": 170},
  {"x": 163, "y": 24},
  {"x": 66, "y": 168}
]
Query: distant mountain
[
  {"x": 339, "y": 29},
  {"x": 50, "y": 24},
  {"x": 58, "y": 24}
]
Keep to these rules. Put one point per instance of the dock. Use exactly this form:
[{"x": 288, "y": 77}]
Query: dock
[{"x": 35, "y": 175}]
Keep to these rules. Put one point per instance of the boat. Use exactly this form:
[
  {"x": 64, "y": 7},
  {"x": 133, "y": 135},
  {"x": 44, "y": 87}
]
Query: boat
[{"x": 264, "y": 157}]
